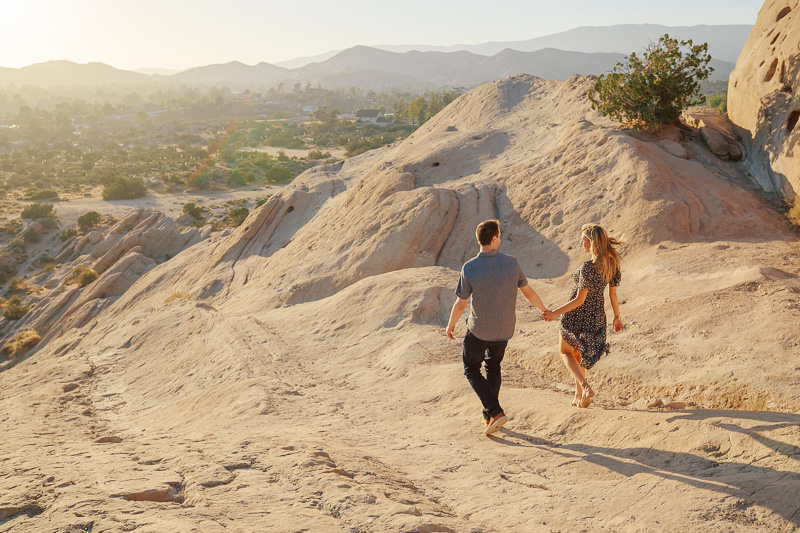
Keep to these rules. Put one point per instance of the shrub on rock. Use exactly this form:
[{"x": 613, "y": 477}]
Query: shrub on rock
[{"x": 652, "y": 89}]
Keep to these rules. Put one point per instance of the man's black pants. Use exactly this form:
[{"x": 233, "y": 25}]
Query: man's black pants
[{"x": 477, "y": 352}]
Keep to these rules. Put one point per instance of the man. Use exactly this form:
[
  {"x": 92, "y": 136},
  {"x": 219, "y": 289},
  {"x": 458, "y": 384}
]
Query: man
[{"x": 492, "y": 279}]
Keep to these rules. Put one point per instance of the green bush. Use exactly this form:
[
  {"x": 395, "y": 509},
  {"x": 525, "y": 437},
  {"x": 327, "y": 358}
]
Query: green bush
[
  {"x": 278, "y": 174},
  {"x": 262, "y": 201},
  {"x": 17, "y": 284},
  {"x": 236, "y": 179},
  {"x": 14, "y": 309},
  {"x": 86, "y": 277},
  {"x": 37, "y": 210},
  {"x": 194, "y": 210},
  {"x": 89, "y": 220},
  {"x": 5, "y": 272},
  {"x": 42, "y": 194},
  {"x": 653, "y": 89},
  {"x": 31, "y": 235},
  {"x": 719, "y": 102},
  {"x": 67, "y": 233},
  {"x": 18, "y": 245},
  {"x": 121, "y": 188},
  {"x": 237, "y": 215}
]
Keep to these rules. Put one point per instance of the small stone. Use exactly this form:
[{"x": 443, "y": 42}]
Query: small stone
[
  {"x": 113, "y": 439},
  {"x": 67, "y": 387},
  {"x": 716, "y": 142}
]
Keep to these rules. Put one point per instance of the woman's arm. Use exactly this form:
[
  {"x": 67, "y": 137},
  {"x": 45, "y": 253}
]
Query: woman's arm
[
  {"x": 612, "y": 295},
  {"x": 569, "y": 306}
]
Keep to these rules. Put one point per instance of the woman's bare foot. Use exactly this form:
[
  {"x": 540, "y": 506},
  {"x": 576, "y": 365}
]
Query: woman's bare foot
[
  {"x": 586, "y": 397},
  {"x": 575, "y": 401}
]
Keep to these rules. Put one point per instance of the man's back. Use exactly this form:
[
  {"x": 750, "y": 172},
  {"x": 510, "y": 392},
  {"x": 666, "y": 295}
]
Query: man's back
[{"x": 492, "y": 279}]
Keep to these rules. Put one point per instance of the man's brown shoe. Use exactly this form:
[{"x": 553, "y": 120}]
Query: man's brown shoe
[{"x": 495, "y": 423}]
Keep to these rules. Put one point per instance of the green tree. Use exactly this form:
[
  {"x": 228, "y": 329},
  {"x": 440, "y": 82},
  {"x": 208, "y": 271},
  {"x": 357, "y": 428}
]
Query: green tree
[
  {"x": 89, "y": 219},
  {"x": 652, "y": 89},
  {"x": 416, "y": 108}
]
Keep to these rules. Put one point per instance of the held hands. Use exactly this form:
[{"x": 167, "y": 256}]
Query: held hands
[{"x": 548, "y": 315}]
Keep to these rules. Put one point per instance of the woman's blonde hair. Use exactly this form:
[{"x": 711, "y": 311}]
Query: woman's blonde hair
[{"x": 603, "y": 247}]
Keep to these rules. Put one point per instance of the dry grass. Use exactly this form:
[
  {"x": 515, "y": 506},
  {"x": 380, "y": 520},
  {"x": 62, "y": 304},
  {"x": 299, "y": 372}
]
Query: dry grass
[
  {"x": 21, "y": 343},
  {"x": 176, "y": 294}
]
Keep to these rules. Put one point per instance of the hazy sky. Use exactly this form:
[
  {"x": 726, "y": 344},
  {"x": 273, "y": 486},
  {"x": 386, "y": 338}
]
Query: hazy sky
[{"x": 179, "y": 34}]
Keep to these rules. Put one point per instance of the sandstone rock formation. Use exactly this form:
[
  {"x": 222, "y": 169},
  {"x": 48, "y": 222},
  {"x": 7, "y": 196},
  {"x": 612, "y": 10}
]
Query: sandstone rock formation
[
  {"x": 293, "y": 375},
  {"x": 764, "y": 97},
  {"x": 133, "y": 246}
]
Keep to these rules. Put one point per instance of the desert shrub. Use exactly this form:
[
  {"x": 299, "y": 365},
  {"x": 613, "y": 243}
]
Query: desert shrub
[
  {"x": 317, "y": 154},
  {"x": 18, "y": 244},
  {"x": 37, "y": 210},
  {"x": 31, "y": 236},
  {"x": 67, "y": 233},
  {"x": 719, "y": 102},
  {"x": 74, "y": 277},
  {"x": 193, "y": 210},
  {"x": 176, "y": 294},
  {"x": 122, "y": 188},
  {"x": 237, "y": 215},
  {"x": 261, "y": 201},
  {"x": 49, "y": 223},
  {"x": 89, "y": 219},
  {"x": 14, "y": 309},
  {"x": 86, "y": 277},
  {"x": 654, "y": 88},
  {"x": 236, "y": 179},
  {"x": 42, "y": 194},
  {"x": 278, "y": 174},
  {"x": 21, "y": 343},
  {"x": 5, "y": 272},
  {"x": 17, "y": 285}
]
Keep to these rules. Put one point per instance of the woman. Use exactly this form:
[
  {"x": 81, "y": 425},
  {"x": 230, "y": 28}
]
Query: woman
[{"x": 582, "y": 336}]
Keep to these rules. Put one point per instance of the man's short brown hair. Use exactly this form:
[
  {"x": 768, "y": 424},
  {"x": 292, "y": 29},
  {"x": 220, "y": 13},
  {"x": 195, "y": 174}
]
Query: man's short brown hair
[{"x": 486, "y": 231}]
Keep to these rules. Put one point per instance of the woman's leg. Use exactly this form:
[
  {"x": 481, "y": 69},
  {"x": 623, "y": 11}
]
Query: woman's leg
[{"x": 572, "y": 358}]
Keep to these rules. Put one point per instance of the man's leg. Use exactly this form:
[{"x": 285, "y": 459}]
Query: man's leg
[
  {"x": 474, "y": 355},
  {"x": 494, "y": 357}
]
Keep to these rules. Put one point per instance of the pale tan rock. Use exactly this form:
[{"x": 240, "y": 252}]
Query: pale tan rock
[
  {"x": 764, "y": 97},
  {"x": 674, "y": 148},
  {"x": 715, "y": 141}
]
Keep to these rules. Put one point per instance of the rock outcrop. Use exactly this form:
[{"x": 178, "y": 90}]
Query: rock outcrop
[
  {"x": 133, "y": 246},
  {"x": 764, "y": 97}
]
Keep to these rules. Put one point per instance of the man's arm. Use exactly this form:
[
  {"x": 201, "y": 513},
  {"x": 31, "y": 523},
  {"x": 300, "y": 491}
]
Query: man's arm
[
  {"x": 533, "y": 298},
  {"x": 455, "y": 314}
]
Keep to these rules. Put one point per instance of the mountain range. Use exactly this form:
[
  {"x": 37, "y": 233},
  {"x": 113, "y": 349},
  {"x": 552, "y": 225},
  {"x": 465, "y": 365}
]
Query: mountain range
[{"x": 586, "y": 50}]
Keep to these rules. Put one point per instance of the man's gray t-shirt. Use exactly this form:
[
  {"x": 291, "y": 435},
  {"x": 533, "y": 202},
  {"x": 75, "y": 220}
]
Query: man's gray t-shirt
[{"x": 492, "y": 279}]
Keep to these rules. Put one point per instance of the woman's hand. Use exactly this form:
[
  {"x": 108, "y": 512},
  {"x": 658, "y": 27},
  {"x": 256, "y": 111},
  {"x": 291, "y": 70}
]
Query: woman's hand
[
  {"x": 549, "y": 315},
  {"x": 617, "y": 325}
]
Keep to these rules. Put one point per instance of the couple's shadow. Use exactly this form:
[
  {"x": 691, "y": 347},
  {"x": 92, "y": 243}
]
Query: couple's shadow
[{"x": 768, "y": 487}]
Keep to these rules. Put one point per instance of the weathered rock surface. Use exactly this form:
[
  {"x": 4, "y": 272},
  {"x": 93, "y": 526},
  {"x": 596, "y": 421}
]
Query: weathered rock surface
[
  {"x": 292, "y": 374},
  {"x": 764, "y": 97}
]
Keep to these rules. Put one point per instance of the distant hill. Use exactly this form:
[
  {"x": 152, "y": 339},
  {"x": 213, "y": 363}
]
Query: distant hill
[
  {"x": 725, "y": 41},
  {"x": 303, "y": 61},
  {"x": 588, "y": 50},
  {"x": 233, "y": 73},
  {"x": 58, "y": 73},
  {"x": 466, "y": 68}
]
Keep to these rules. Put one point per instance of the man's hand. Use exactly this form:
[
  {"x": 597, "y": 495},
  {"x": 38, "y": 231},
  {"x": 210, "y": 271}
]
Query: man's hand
[
  {"x": 450, "y": 329},
  {"x": 548, "y": 315}
]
